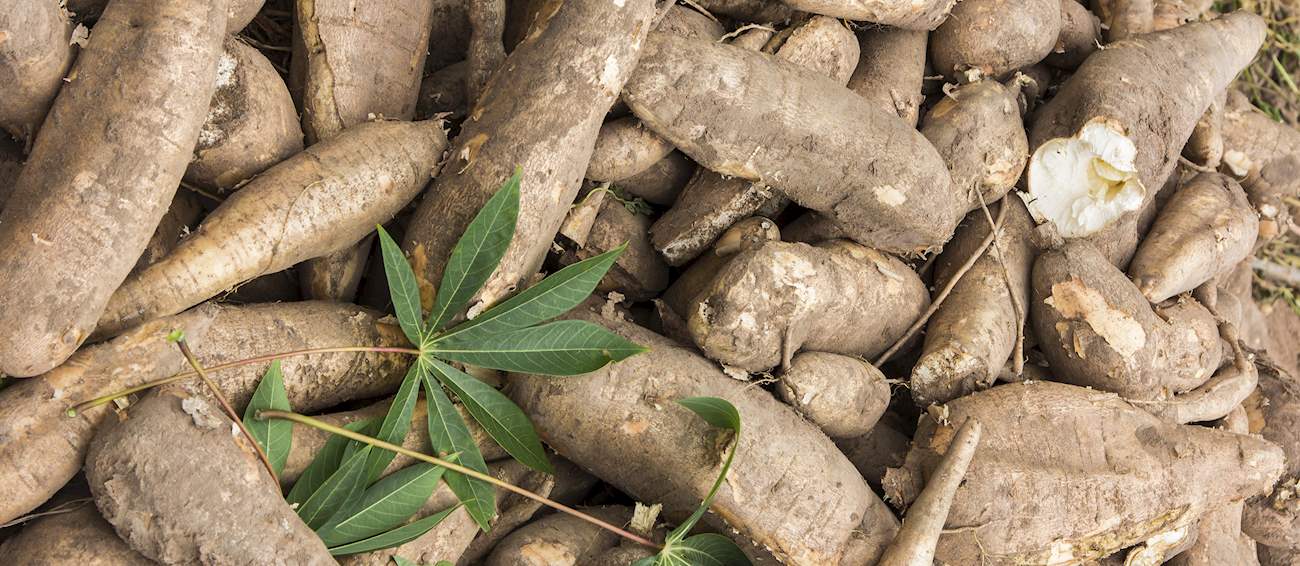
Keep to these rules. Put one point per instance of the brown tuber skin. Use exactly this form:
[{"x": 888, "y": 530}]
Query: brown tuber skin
[
  {"x": 918, "y": 15},
  {"x": 1205, "y": 147},
  {"x": 901, "y": 200},
  {"x": 1065, "y": 474},
  {"x": 842, "y": 395},
  {"x": 56, "y": 274},
  {"x": 210, "y": 503},
  {"x": 602, "y": 40},
  {"x": 251, "y": 123},
  {"x": 991, "y": 38},
  {"x": 35, "y": 54},
  {"x": 978, "y": 131},
  {"x": 1202, "y": 233},
  {"x": 1263, "y": 153},
  {"x": 884, "y": 447},
  {"x": 1273, "y": 519},
  {"x": 1123, "y": 19},
  {"x": 780, "y": 298},
  {"x": 621, "y": 423},
  {"x": 43, "y": 447},
  {"x": 1080, "y": 35},
  {"x": 317, "y": 202},
  {"x": 891, "y": 70},
  {"x": 638, "y": 273},
  {"x": 662, "y": 182},
  {"x": 80, "y": 536},
  {"x": 559, "y": 539}
]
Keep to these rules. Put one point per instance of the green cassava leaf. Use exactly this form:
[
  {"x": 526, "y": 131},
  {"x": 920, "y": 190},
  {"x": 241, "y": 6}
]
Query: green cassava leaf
[
  {"x": 275, "y": 435},
  {"x": 384, "y": 505},
  {"x": 647, "y": 561},
  {"x": 477, "y": 253},
  {"x": 564, "y": 347},
  {"x": 702, "y": 550},
  {"x": 448, "y": 434},
  {"x": 398, "y": 420},
  {"x": 402, "y": 288},
  {"x": 553, "y": 297},
  {"x": 401, "y": 535},
  {"x": 337, "y": 491},
  {"x": 504, "y": 421},
  {"x": 399, "y": 561},
  {"x": 326, "y": 462},
  {"x": 722, "y": 414}
]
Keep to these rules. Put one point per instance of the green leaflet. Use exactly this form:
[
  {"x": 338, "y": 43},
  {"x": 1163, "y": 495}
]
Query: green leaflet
[
  {"x": 565, "y": 347},
  {"x": 504, "y": 421},
  {"x": 402, "y": 287},
  {"x": 385, "y": 505},
  {"x": 553, "y": 297},
  {"x": 337, "y": 491},
  {"x": 700, "y": 550},
  {"x": 401, "y": 535},
  {"x": 477, "y": 254},
  {"x": 448, "y": 434},
  {"x": 275, "y": 435},
  {"x": 722, "y": 414},
  {"x": 397, "y": 421},
  {"x": 325, "y": 463}
]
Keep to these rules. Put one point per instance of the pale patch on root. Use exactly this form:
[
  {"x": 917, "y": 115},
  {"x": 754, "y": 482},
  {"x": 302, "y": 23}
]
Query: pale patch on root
[
  {"x": 1083, "y": 183},
  {"x": 1075, "y": 301},
  {"x": 1152, "y": 552}
]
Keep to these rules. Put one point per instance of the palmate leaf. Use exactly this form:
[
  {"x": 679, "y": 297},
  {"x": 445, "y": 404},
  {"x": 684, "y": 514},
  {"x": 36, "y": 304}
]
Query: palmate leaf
[
  {"x": 722, "y": 414},
  {"x": 402, "y": 287},
  {"x": 448, "y": 434},
  {"x": 397, "y": 422},
  {"x": 477, "y": 254},
  {"x": 337, "y": 491},
  {"x": 700, "y": 550},
  {"x": 383, "y": 506},
  {"x": 553, "y": 297},
  {"x": 504, "y": 421},
  {"x": 401, "y": 535},
  {"x": 565, "y": 347},
  {"x": 275, "y": 435},
  {"x": 325, "y": 463}
]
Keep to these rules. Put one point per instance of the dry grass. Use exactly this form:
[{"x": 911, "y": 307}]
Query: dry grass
[{"x": 1271, "y": 81}]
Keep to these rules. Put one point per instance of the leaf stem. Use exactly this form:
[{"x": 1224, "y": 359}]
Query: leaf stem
[
  {"x": 97, "y": 401},
  {"x": 225, "y": 404},
  {"x": 305, "y": 420}
]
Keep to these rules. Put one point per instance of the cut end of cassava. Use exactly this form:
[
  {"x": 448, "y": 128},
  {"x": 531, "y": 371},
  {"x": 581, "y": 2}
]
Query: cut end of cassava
[
  {"x": 947, "y": 373},
  {"x": 1081, "y": 184}
]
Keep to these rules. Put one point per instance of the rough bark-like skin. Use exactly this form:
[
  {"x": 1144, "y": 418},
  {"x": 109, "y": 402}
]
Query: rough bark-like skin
[
  {"x": 541, "y": 112},
  {"x": 1173, "y": 13},
  {"x": 35, "y": 53},
  {"x": 884, "y": 447},
  {"x": 838, "y": 297},
  {"x": 1273, "y": 519},
  {"x": 971, "y": 336},
  {"x": 1079, "y": 37},
  {"x": 486, "y": 52},
  {"x": 995, "y": 37},
  {"x": 1096, "y": 329},
  {"x": 239, "y": 13},
  {"x": 11, "y": 165},
  {"x": 444, "y": 91},
  {"x": 449, "y": 37},
  {"x": 110, "y": 156},
  {"x": 41, "y": 447},
  {"x": 211, "y": 502},
  {"x": 843, "y": 396},
  {"x": 1203, "y": 232},
  {"x": 625, "y": 148},
  {"x": 1205, "y": 146},
  {"x": 183, "y": 214},
  {"x": 1271, "y": 149},
  {"x": 891, "y": 70},
  {"x": 918, "y": 14},
  {"x": 662, "y": 182},
  {"x": 1068, "y": 473},
  {"x": 978, "y": 131},
  {"x": 251, "y": 123},
  {"x": 559, "y": 539},
  {"x": 801, "y": 133},
  {"x": 319, "y": 201},
  {"x": 1192, "y": 63},
  {"x": 638, "y": 273},
  {"x": 1125, "y": 18},
  {"x": 621, "y": 424},
  {"x": 757, "y": 11},
  {"x": 76, "y": 537}
]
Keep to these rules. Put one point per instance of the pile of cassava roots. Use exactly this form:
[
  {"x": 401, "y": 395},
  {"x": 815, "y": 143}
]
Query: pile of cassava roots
[{"x": 976, "y": 275}]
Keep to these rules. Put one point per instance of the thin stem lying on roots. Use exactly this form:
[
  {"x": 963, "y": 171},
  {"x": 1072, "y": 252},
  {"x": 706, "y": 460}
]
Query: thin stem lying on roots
[
  {"x": 305, "y": 420},
  {"x": 225, "y": 405},
  {"x": 1018, "y": 352},
  {"x": 105, "y": 399},
  {"x": 943, "y": 294}
]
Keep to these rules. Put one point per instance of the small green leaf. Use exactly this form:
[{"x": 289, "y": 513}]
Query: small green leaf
[
  {"x": 337, "y": 491},
  {"x": 722, "y": 414},
  {"x": 647, "y": 561},
  {"x": 175, "y": 336},
  {"x": 443, "y": 563},
  {"x": 448, "y": 434},
  {"x": 565, "y": 347},
  {"x": 275, "y": 435},
  {"x": 398, "y": 420},
  {"x": 553, "y": 297},
  {"x": 326, "y": 462},
  {"x": 504, "y": 421},
  {"x": 402, "y": 288},
  {"x": 384, "y": 505},
  {"x": 477, "y": 254},
  {"x": 703, "y": 550},
  {"x": 401, "y": 535},
  {"x": 402, "y": 561}
]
